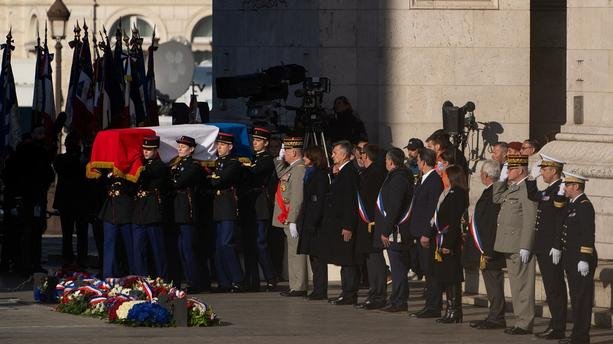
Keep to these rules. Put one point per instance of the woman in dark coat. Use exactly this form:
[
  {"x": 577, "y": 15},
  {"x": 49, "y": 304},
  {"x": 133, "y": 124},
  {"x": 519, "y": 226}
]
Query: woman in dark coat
[
  {"x": 447, "y": 226},
  {"x": 316, "y": 184}
]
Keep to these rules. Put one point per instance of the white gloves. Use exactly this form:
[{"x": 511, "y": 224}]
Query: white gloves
[
  {"x": 525, "y": 255},
  {"x": 561, "y": 189},
  {"x": 583, "y": 267},
  {"x": 293, "y": 230},
  {"x": 555, "y": 255},
  {"x": 282, "y": 152}
]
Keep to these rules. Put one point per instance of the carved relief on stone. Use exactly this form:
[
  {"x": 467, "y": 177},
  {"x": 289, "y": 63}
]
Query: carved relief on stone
[{"x": 454, "y": 4}]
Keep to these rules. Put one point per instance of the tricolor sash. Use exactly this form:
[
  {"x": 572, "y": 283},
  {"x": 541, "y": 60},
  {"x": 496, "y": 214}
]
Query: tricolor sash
[
  {"x": 474, "y": 232},
  {"x": 440, "y": 232},
  {"x": 363, "y": 214},
  {"x": 284, "y": 209}
]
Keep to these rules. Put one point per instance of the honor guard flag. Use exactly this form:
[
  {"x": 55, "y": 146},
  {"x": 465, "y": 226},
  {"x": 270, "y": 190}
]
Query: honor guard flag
[
  {"x": 75, "y": 45},
  {"x": 9, "y": 110},
  {"x": 43, "y": 104},
  {"x": 83, "y": 96},
  {"x": 151, "y": 95}
]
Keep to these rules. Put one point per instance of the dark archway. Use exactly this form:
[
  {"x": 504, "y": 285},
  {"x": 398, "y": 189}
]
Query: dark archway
[{"x": 547, "y": 68}]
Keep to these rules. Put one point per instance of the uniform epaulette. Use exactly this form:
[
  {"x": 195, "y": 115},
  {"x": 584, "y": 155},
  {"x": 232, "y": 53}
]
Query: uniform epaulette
[
  {"x": 587, "y": 250},
  {"x": 559, "y": 204},
  {"x": 585, "y": 201}
]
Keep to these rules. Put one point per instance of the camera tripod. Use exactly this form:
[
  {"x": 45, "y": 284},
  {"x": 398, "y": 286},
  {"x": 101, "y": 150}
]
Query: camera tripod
[{"x": 316, "y": 137}]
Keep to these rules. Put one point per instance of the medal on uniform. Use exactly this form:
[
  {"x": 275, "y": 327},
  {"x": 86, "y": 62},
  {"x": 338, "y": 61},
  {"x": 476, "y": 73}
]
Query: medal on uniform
[
  {"x": 482, "y": 262},
  {"x": 438, "y": 257},
  {"x": 283, "y": 186}
]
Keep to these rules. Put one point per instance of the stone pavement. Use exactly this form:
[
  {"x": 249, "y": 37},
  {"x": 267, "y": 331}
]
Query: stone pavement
[
  {"x": 256, "y": 318},
  {"x": 251, "y": 318}
]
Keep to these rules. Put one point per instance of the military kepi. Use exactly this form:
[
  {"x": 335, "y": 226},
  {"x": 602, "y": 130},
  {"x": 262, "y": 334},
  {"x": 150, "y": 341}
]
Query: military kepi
[
  {"x": 151, "y": 142},
  {"x": 292, "y": 142},
  {"x": 225, "y": 138},
  {"x": 186, "y": 140},
  {"x": 261, "y": 133},
  {"x": 574, "y": 178},
  {"x": 517, "y": 160},
  {"x": 548, "y": 161}
]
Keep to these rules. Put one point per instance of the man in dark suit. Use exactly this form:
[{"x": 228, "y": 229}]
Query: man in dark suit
[
  {"x": 152, "y": 186},
  {"x": 370, "y": 183},
  {"x": 479, "y": 249},
  {"x": 225, "y": 180},
  {"x": 549, "y": 217},
  {"x": 579, "y": 255},
  {"x": 393, "y": 208},
  {"x": 187, "y": 178},
  {"x": 256, "y": 211},
  {"x": 339, "y": 223},
  {"x": 418, "y": 226}
]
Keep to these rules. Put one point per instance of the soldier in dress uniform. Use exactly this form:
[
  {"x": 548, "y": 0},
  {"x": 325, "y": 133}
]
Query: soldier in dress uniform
[
  {"x": 515, "y": 238},
  {"x": 579, "y": 256},
  {"x": 288, "y": 201},
  {"x": 256, "y": 213},
  {"x": 224, "y": 181},
  {"x": 152, "y": 187},
  {"x": 116, "y": 216},
  {"x": 549, "y": 217},
  {"x": 187, "y": 177}
]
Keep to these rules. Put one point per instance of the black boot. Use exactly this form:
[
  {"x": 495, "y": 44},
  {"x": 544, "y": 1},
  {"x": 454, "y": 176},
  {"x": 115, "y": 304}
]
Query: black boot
[
  {"x": 455, "y": 303},
  {"x": 445, "y": 316}
]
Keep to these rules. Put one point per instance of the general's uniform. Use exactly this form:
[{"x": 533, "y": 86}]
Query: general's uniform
[
  {"x": 516, "y": 222},
  {"x": 393, "y": 206},
  {"x": 187, "y": 178},
  {"x": 256, "y": 212},
  {"x": 549, "y": 216},
  {"x": 225, "y": 181},
  {"x": 152, "y": 187},
  {"x": 288, "y": 201},
  {"x": 116, "y": 216},
  {"x": 577, "y": 242}
]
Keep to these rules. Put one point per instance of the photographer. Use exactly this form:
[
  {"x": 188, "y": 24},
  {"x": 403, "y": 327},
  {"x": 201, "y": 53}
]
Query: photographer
[{"x": 346, "y": 125}]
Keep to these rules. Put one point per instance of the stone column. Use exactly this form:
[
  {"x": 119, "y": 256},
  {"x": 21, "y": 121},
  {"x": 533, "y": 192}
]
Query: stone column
[{"x": 586, "y": 140}]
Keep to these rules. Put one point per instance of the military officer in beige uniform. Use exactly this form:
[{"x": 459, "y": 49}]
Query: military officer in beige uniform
[
  {"x": 515, "y": 238},
  {"x": 288, "y": 200}
]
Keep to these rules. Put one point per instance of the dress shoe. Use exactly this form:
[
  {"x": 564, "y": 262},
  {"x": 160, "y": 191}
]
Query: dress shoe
[
  {"x": 294, "y": 293},
  {"x": 476, "y": 323},
  {"x": 317, "y": 297},
  {"x": 565, "y": 341},
  {"x": 428, "y": 313},
  {"x": 544, "y": 334},
  {"x": 488, "y": 325},
  {"x": 517, "y": 331},
  {"x": 555, "y": 335},
  {"x": 343, "y": 300},
  {"x": 236, "y": 288},
  {"x": 394, "y": 308},
  {"x": 414, "y": 314},
  {"x": 369, "y": 305},
  {"x": 270, "y": 286}
]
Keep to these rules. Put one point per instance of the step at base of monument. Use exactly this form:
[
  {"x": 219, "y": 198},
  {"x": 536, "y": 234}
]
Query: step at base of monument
[{"x": 601, "y": 317}]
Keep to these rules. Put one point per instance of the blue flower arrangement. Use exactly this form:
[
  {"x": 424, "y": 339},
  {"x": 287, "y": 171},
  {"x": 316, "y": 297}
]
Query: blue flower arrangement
[{"x": 149, "y": 314}]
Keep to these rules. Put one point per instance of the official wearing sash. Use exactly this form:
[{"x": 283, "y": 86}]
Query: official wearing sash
[
  {"x": 225, "y": 180},
  {"x": 394, "y": 207},
  {"x": 288, "y": 201},
  {"x": 418, "y": 226},
  {"x": 447, "y": 267},
  {"x": 187, "y": 177},
  {"x": 479, "y": 249},
  {"x": 256, "y": 211},
  {"x": 368, "y": 246},
  {"x": 579, "y": 256},
  {"x": 549, "y": 217},
  {"x": 147, "y": 220}
]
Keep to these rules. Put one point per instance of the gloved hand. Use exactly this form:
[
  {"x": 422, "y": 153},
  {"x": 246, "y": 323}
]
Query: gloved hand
[
  {"x": 583, "y": 267},
  {"x": 555, "y": 255},
  {"x": 282, "y": 152},
  {"x": 525, "y": 255},
  {"x": 561, "y": 189},
  {"x": 293, "y": 230}
]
